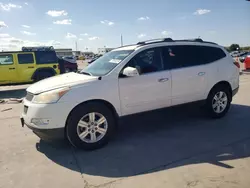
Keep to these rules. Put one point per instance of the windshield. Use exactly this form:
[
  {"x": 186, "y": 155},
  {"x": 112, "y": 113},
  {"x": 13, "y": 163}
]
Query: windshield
[{"x": 104, "y": 64}]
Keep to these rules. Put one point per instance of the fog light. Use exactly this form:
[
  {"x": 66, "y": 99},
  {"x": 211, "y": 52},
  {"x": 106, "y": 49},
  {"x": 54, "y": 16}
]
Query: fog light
[{"x": 39, "y": 121}]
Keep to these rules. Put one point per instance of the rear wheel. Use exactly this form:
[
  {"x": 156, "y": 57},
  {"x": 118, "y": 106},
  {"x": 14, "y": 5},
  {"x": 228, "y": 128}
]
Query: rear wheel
[
  {"x": 90, "y": 126},
  {"x": 43, "y": 75},
  {"x": 218, "y": 102}
]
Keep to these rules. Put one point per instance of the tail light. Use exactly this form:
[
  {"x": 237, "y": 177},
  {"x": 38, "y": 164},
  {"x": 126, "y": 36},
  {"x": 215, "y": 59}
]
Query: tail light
[{"x": 237, "y": 64}]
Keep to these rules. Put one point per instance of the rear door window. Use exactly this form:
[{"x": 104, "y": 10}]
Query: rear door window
[
  {"x": 182, "y": 56},
  {"x": 25, "y": 58},
  {"x": 46, "y": 57}
]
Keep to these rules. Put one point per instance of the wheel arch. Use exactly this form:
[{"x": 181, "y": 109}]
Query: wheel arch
[
  {"x": 45, "y": 69},
  {"x": 100, "y": 101},
  {"x": 223, "y": 84}
]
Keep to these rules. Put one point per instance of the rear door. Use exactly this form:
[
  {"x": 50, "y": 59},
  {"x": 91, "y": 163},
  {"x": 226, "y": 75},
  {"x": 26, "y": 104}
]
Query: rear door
[
  {"x": 8, "y": 71},
  {"x": 189, "y": 73},
  {"x": 26, "y": 66}
]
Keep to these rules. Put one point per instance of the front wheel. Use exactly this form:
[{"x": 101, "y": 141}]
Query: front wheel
[
  {"x": 218, "y": 102},
  {"x": 90, "y": 126}
]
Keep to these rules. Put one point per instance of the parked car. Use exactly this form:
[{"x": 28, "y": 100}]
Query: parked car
[
  {"x": 81, "y": 58},
  {"x": 67, "y": 64},
  {"x": 243, "y": 56},
  {"x": 235, "y": 53},
  {"x": 85, "y": 107},
  {"x": 30, "y": 64},
  {"x": 247, "y": 61},
  {"x": 70, "y": 63},
  {"x": 94, "y": 58}
]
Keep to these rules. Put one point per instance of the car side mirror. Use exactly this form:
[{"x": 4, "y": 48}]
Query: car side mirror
[{"x": 130, "y": 72}]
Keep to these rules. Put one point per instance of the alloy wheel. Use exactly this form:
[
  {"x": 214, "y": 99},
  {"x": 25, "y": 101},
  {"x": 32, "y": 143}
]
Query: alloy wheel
[
  {"x": 92, "y": 127},
  {"x": 219, "y": 102}
]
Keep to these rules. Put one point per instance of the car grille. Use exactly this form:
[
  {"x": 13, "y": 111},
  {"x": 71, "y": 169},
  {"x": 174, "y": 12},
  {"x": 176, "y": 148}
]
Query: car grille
[
  {"x": 29, "y": 96},
  {"x": 25, "y": 109}
]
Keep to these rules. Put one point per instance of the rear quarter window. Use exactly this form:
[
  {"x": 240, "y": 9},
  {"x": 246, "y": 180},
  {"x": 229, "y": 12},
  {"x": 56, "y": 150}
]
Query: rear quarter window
[
  {"x": 211, "y": 54},
  {"x": 47, "y": 57}
]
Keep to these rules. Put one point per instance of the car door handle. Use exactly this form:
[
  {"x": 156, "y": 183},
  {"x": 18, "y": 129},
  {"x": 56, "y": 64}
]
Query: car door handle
[
  {"x": 163, "y": 80},
  {"x": 30, "y": 67},
  {"x": 201, "y": 73},
  {"x": 12, "y": 68}
]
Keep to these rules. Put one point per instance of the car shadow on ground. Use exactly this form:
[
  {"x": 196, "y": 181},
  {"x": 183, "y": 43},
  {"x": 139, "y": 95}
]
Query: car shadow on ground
[{"x": 160, "y": 140}]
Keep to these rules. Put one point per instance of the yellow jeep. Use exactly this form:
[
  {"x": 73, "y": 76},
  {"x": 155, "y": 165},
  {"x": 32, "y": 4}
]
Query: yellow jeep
[{"x": 30, "y": 64}]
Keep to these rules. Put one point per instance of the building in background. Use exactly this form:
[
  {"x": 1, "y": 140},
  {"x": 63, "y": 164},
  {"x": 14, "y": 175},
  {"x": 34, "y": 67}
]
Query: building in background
[
  {"x": 89, "y": 54},
  {"x": 102, "y": 51},
  {"x": 77, "y": 53},
  {"x": 64, "y": 52}
]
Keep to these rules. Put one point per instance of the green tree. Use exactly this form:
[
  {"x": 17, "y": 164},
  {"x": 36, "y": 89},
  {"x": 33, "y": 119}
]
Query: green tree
[
  {"x": 234, "y": 47},
  {"x": 246, "y": 48}
]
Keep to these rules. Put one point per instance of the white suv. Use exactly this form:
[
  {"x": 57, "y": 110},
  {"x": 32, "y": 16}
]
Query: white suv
[{"x": 84, "y": 107}]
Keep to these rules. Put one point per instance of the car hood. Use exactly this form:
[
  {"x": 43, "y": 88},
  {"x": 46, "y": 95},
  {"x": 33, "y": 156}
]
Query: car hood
[{"x": 64, "y": 80}]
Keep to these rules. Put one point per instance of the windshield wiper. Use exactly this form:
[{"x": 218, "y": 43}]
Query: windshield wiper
[{"x": 86, "y": 73}]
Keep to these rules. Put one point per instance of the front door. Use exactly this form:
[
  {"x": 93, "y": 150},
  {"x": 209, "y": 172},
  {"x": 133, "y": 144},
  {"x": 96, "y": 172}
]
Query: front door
[
  {"x": 8, "y": 71},
  {"x": 151, "y": 89},
  {"x": 26, "y": 66}
]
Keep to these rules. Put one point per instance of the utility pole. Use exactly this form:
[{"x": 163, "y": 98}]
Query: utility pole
[
  {"x": 121, "y": 41},
  {"x": 76, "y": 45}
]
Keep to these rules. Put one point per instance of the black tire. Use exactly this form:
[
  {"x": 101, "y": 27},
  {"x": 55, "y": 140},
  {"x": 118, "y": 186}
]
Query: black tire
[
  {"x": 42, "y": 75},
  {"x": 75, "y": 117},
  {"x": 209, "y": 102}
]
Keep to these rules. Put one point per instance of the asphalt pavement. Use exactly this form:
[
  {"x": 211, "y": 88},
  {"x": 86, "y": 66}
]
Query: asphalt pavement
[{"x": 177, "y": 147}]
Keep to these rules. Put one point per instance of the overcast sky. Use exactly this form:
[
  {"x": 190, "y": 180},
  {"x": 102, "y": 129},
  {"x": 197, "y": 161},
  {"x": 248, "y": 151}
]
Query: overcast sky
[{"x": 98, "y": 23}]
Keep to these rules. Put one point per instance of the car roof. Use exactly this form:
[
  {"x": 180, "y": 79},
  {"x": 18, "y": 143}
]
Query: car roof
[{"x": 165, "y": 41}]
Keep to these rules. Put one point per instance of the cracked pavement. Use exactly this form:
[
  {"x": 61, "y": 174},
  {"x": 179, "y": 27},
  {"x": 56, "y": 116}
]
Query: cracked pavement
[{"x": 176, "y": 147}]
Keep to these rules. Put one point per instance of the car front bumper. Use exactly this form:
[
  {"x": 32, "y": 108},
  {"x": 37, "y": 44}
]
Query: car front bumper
[
  {"x": 46, "y": 134},
  {"x": 47, "y": 121}
]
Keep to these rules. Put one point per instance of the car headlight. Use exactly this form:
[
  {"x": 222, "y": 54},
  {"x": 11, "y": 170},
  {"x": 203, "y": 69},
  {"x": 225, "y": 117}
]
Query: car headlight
[{"x": 50, "y": 96}]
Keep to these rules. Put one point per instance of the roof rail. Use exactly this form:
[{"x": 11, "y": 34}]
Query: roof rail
[
  {"x": 155, "y": 41},
  {"x": 171, "y": 40},
  {"x": 37, "y": 48},
  {"x": 195, "y": 40},
  {"x": 190, "y": 40}
]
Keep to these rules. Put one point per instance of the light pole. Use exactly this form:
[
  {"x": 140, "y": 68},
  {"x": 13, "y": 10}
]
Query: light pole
[
  {"x": 121, "y": 40},
  {"x": 76, "y": 45}
]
